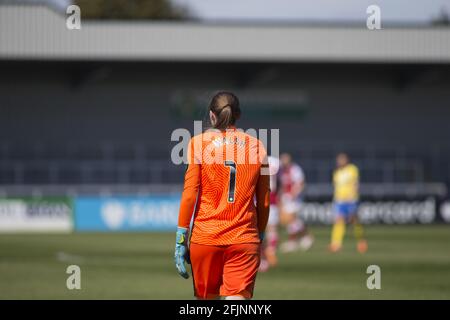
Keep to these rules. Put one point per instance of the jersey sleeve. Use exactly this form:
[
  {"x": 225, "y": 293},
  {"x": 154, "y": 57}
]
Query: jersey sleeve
[
  {"x": 355, "y": 174},
  {"x": 191, "y": 187},
  {"x": 297, "y": 174}
]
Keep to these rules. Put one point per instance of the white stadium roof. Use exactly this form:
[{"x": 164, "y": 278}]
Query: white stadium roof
[{"x": 36, "y": 32}]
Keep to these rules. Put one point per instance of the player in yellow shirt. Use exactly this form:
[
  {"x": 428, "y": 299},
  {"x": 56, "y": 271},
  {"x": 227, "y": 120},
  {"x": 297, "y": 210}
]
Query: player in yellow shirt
[{"x": 346, "y": 196}]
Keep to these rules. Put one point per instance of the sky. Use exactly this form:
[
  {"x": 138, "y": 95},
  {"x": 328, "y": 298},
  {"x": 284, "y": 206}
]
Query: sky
[
  {"x": 395, "y": 11},
  {"x": 57, "y": 4},
  {"x": 401, "y": 11}
]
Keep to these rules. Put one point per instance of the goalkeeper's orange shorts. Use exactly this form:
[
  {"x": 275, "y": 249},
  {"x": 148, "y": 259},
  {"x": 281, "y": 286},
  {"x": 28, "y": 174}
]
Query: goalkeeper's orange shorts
[{"x": 224, "y": 270}]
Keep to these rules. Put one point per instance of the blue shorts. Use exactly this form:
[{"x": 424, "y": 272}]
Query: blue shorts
[{"x": 345, "y": 209}]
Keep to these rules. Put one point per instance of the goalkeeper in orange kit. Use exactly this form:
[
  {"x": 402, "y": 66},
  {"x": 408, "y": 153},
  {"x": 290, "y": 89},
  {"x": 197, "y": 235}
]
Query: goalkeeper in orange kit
[{"x": 225, "y": 176}]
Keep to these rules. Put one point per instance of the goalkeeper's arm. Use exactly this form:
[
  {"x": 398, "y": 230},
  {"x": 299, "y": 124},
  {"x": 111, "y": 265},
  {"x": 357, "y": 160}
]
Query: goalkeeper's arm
[{"x": 188, "y": 200}]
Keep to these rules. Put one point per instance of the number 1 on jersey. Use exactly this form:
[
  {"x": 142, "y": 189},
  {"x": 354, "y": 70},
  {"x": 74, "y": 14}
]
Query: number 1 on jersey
[{"x": 232, "y": 183}]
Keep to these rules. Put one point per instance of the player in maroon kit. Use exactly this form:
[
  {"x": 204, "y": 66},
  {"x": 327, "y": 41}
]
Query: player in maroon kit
[
  {"x": 286, "y": 186},
  {"x": 292, "y": 185}
]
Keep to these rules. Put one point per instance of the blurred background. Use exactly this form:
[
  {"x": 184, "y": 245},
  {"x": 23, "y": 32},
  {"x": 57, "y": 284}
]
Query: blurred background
[{"x": 86, "y": 175}]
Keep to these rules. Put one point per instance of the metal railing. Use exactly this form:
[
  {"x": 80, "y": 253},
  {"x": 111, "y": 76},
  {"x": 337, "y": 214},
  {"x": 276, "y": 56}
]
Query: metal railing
[{"x": 141, "y": 164}]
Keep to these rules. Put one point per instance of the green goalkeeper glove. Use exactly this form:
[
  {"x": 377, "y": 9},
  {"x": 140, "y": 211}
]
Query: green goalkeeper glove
[{"x": 181, "y": 252}]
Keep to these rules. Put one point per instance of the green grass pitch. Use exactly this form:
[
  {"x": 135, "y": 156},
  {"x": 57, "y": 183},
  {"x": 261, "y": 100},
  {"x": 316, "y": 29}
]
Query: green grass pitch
[{"x": 414, "y": 262}]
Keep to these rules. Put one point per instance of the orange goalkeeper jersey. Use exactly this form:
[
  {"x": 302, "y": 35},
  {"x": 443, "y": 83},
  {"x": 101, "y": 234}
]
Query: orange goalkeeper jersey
[{"x": 225, "y": 188}]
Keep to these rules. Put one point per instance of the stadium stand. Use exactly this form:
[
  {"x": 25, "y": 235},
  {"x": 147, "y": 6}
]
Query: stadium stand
[{"x": 86, "y": 112}]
